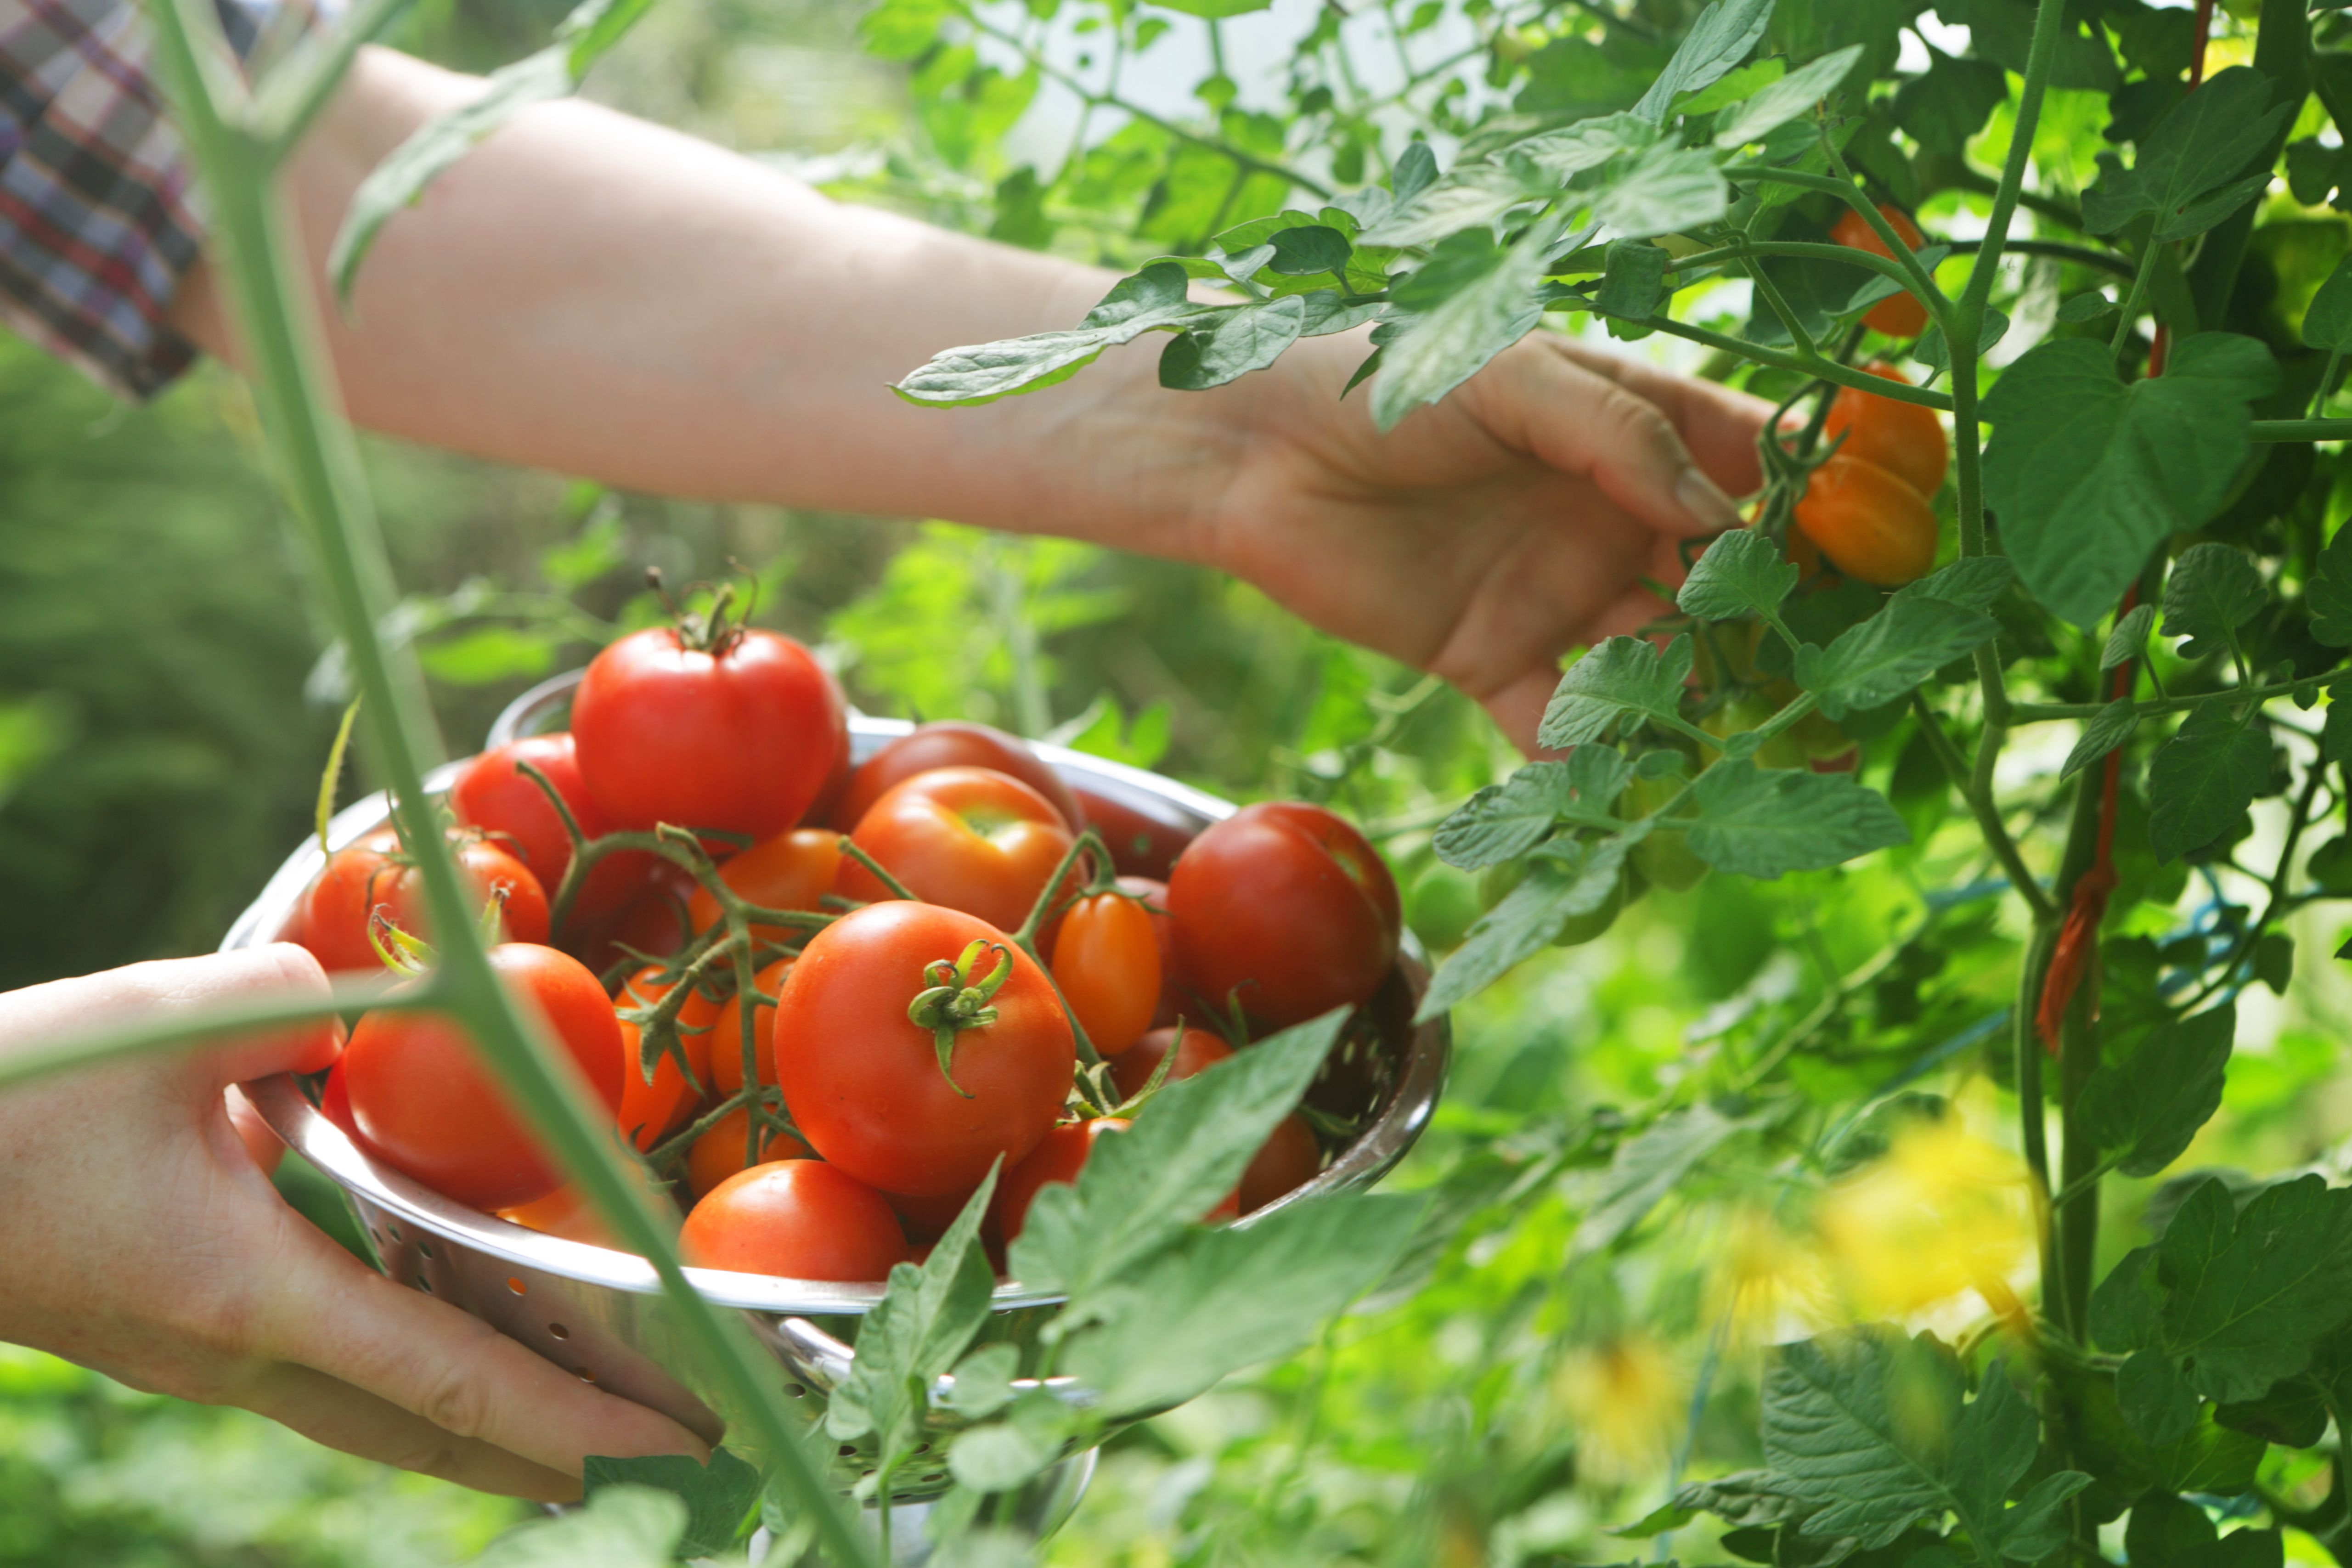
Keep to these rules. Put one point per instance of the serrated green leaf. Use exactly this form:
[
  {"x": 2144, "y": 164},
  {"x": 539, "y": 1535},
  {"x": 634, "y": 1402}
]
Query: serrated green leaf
[
  {"x": 983, "y": 1382},
  {"x": 2188, "y": 170},
  {"x": 1664, "y": 189},
  {"x": 1326, "y": 312},
  {"x": 2088, "y": 476},
  {"x": 1469, "y": 303},
  {"x": 621, "y": 1527},
  {"x": 2129, "y": 641},
  {"x": 1974, "y": 582},
  {"x": 1744, "y": 1499},
  {"x": 1742, "y": 573},
  {"x": 1624, "y": 675},
  {"x": 927, "y": 1316},
  {"x": 1308, "y": 249},
  {"x": 1231, "y": 344},
  {"x": 2084, "y": 307},
  {"x": 1717, "y": 41},
  {"x": 2110, "y": 727},
  {"x": 1554, "y": 891},
  {"x": 1587, "y": 144},
  {"x": 2327, "y": 319},
  {"x": 719, "y": 1498},
  {"x": 1890, "y": 654},
  {"x": 1929, "y": 348},
  {"x": 1471, "y": 197},
  {"x": 2213, "y": 591},
  {"x": 1156, "y": 298},
  {"x": 1011, "y": 1453},
  {"x": 1649, "y": 1165},
  {"x": 1735, "y": 86},
  {"x": 1506, "y": 820},
  {"x": 2148, "y": 1109},
  {"x": 1785, "y": 99},
  {"x": 2199, "y": 780},
  {"x": 1634, "y": 281},
  {"x": 2328, "y": 595},
  {"x": 1763, "y": 823}
]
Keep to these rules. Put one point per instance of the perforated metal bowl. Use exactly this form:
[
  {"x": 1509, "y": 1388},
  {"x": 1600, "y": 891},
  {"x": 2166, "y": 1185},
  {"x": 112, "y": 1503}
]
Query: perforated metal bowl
[{"x": 599, "y": 1313}]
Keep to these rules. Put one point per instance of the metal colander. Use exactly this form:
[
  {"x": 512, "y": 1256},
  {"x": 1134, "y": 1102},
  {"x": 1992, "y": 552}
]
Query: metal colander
[{"x": 599, "y": 1313}]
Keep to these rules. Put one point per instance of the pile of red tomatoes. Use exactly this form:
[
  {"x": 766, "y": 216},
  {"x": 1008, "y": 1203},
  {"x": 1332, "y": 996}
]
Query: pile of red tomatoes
[{"x": 885, "y": 925}]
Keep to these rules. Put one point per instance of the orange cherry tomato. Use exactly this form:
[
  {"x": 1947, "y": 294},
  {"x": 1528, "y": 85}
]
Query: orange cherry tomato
[
  {"x": 561, "y": 1213},
  {"x": 1106, "y": 962},
  {"x": 653, "y": 1109},
  {"x": 718, "y": 1153},
  {"x": 1900, "y": 315},
  {"x": 372, "y": 875},
  {"x": 1869, "y": 522},
  {"x": 727, "y": 1033},
  {"x": 968, "y": 838},
  {"x": 791, "y": 871},
  {"x": 1173, "y": 1000},
  {"x": 1907, "y": 440},
  {"x": 801, "y": 1219}
]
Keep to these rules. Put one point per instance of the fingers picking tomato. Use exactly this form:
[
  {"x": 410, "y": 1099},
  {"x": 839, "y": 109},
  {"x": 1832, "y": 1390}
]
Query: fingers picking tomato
[
  {"x": 718, "y": 1152},
  {"x": 799, "y": 1219},
  {"x": 864, "y": 1082},
  {"x": 1057, "y": 1158},
  {"x": 1869, "y": 522},
  {"x": 1106, "y": 962},
  {"x": 651, "y": 1108},
  {"x": 725, "y": 1038},
  {"x": 1901, "y": 315},
  {"x": 951, "y": 743},
  {"x": 371, "y": 874},
  {"x": 740, "y": 738},
  {"x": 793, "y": 870},
  {"x": 1285, "y": 906},
  {"x": 421, "y": 1096},
  {"x": 1907, "y": 440},
  {"x": 495, "y": 795},
  {"x": 969, "y": 839}
]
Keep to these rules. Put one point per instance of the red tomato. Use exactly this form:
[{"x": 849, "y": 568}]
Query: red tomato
[
  {"x": 740, "y": 738},
  {"x": 1286, "y": 905},
  {"x": 793, "y": 870},
  {"x": 1900, "y": 315},
  {"x": 966, "y": 837},
  {"x": 335, "y": 1105},
  {"x": 863, "y": 1079},
  {"x": 1058, "y": 1157},
  {"x": 1904, "y": 438},
  {"x": 1134, "y": 1068},
  {"x": 562, "y": 1213},
  {"x": 1143, "y": 842},
  {"x": 927, "y": 1219},
  {"x": 718, "y": 1153},
  {"x": 801, "y": 1219},
  {"x": 1286, "y": 1161},
  {"x": 727, "y": 1032},
  {"x": 1106, "y": 962},
  {"x": 1870, "y": 523},
  {"x": 951, "y": 743},
  {"x": 652, "y": 1109},
  {"x": 653, "y": 923},
  {"x": 423, "y": 1097},
  {"x": 1163, "y": 933},
  {"x": 369, "y": 876},
  {"x": 497, "y": 796}
]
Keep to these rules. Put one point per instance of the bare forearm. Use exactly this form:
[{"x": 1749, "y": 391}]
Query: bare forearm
[{"x": 591, "y": 294}]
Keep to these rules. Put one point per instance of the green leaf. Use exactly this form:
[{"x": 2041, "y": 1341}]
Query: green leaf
[
  {"x": 720, "y": 1497},
  {"x": 1232, "y": 1297},
  {"x": 2235, "y": 1301},
  {"x": 1945, "y": 107},
  {"x": 621, "y": 1527},
  {"x": 1587, "y": 144},
  {"x": 1471, "y": 197},
  {"x": 2188, "y": 172},
  {"x": 2156, "y": 1402},
  {"x": 2110, "y": 727},
  {"x": 1555, "y": 890},
  {"x": 983, "y": 1382},
  {"x": 1785, "y": 99},
  {"x": 1975, "y": 583},
  {"x": 1622, "y": 676},
  {"x": 2148, "y": 1108},
  {"x": 1762, "y": 823},
  {"x": 1634, "y": 280},
  {"x": 1506, "y": 820},
  {"x": 1154, "y": 299},
  {"x": 1743, "y": 1498},
  {"x": 2210, "y": 1457},
  {"x": 2199, "y": 780},
  {"x": 1469, "y": 303},
  {"x": 2168, "y": 1531},
  {"x": 1231, "y": 342},
  {"x": 2327, "y": 319},
  {"x": 1743, "y": 572},
  {"x": 2129, "y": 641},
  {"x": 1328, "y": 312},
  {"x": 1717, "y": 41},
  {"x": 2084, "y": 307},
  {"x": 2328, "y": 595},
  {"x": 483, "y": 654},
  {"x": 435, "y": 147},
  {"x": 1664, "y": 190},
  {"x": 1137, "y": 1192},
  {"x": 1929, "y": 348},
  {"x": 2336, "y": 732},
  {"x": 1736, "y": 86},
  {"x": 1214, "y": 10},
  {"x": 2213, "y": 591},
  {"x": 1308, "y": 249},
  {"x": 1015, "y": 1451},
  {"x": 2088, "y": 476},
  {"x": 1890, "y": 654},
  {"x": 1648, "y": 1166}
]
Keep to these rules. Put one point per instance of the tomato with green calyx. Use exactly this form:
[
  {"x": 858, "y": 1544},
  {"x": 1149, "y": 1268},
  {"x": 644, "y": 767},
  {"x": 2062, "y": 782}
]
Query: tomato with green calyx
[
  {"x": 374, "y": 875},
  {"x": 421, "y": 1096},
  {"x": 737, "y": 731},
  {"x": 718, "y": 1152},
  {"x": 1899, "y": 315},
  {"x": 798, "y": 1219},
  {"x": 951, "y": 743},
  {"x": 1663, "y": 856},
  {"x": 1870, "y": 523},
  {"x": 651, "y": 1108},
  {"x": 915, "y": 1045},
  {"x": 793, "y": 870},
  {"x": 970, "y": 838},
  {"x": 1106, "y": 962},
  {"x": 496, "y": 795},
  {"x": 727, "y": 1032},
  {"x": 1285, "y": 907},
  {"x": 1904, "y": 438}
]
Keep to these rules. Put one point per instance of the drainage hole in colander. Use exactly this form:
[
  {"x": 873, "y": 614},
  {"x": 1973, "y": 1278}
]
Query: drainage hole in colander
[
  {"x": 795, "y": 1390},
  {"x": 395, "y": 1233},
  {"x": 935, "y": 1476},
  {"x": 514, "y": 1285},
  {"x": 847, "y": 1449},
  {"x": 922, "y": 1448},
  {"x": 423, "y": 1284},
  {"x": 583, "y": 1374},
  {"x": 559, "y": 1330},
  {"x": 426, "y": 1247}
]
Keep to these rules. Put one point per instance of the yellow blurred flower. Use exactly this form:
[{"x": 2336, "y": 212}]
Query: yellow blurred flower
[
  {"x": 1767, "y": 1282},
  {"x": 1943, "y": 1213},
  {"x": 1626, "y": 1400}
]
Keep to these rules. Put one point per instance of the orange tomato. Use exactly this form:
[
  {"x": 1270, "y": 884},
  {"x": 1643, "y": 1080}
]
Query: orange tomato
[
  {"x": 653, "y": 1108},
  {"x": 1904, "y": 438},
  {"x": 1900, "y": 315},
  {"x": 1106, "y": 962},
  {"x": 969, "y": 839},
  {"x": 727, "y": 1033},
  {"x": 1870, "y": 523},
  {"x": 791, "y": 871},
  {"x": 718, "y": 1153}
]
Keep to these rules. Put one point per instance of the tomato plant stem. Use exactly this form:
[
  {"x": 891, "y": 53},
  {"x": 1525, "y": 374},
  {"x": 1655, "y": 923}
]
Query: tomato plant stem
[{"x": 1982, "y": 807}]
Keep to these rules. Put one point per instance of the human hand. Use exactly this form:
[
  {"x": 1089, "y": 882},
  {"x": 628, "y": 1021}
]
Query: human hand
[
  {"x": 1485, "y": 536},
  {"x": 144, "y": 1241}
]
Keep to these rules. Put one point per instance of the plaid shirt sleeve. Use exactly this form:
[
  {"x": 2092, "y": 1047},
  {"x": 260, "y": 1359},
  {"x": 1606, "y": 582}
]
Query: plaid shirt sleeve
[{"x": 98, "y": 222}]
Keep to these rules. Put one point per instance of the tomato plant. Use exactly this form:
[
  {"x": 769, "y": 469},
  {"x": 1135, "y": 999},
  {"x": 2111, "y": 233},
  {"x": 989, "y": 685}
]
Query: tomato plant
[{"x": 494, "y": 793}]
